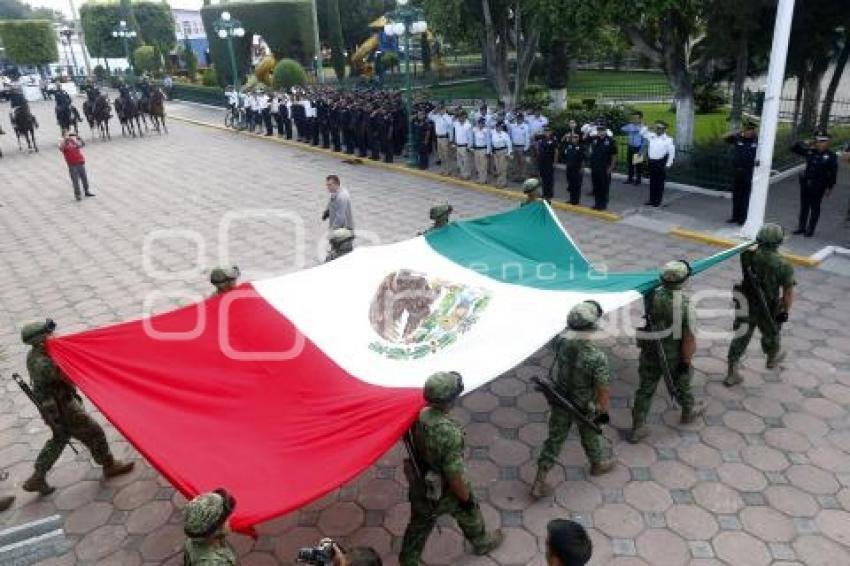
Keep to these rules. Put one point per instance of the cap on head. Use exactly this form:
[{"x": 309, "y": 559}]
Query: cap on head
[
  {"x": 443, "y": 387},
  {"x": 440, "y": 211},
  {"x": 224, "y": 274},
  {"x": 584, "y": 316},
  {"x": 749, "y": 125},
  {"x": 206, "y": 513},
  {"x": 340, "y": 235},
  {"x": 822, "y": 136},
  {"x": 675, "y": 272},
  {"x": 32, "y": 330},
  {"x": 770, "y": 234},
  {"x": 661, "y": 124},
  {"x": 530, "y": 185}
]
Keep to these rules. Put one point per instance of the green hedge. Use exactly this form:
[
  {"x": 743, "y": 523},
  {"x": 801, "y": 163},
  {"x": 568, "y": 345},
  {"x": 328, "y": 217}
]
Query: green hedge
[
  {"x": 288, "y": 73},
  {"x": 195, "y": 93},
  {"x": 29, "y": 42},
  {"x": 285, "y": 25},
  {"x": 100, "y": 18}
]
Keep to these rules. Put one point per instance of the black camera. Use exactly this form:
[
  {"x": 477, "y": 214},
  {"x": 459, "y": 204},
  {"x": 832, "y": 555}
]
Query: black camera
[{"x": 321, "y": 555}]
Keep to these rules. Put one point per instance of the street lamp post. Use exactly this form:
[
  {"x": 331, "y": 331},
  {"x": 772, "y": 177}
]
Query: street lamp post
[
  {"x": 227, "y": 28},
  {"x": 125, "y": 33},
  {"x": 67, "y": 33},
  {"x": 408, "y": 21}
]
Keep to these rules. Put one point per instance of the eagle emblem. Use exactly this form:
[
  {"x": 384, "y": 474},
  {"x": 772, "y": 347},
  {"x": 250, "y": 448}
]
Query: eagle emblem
[{"x": 415, "y": 316}]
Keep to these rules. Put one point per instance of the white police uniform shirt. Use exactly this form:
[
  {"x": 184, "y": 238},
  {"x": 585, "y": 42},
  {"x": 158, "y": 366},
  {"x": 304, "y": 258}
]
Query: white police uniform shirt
[
  {"x": 462, "y": 133},
  {"x": 536, "y": 125},
  {"x": 520, "y": 136},
  {"x": 275, "y": 105},
  {"x": 500, "y": 141},
  {"x": 262, "y": 102},
  {"x": 442, "y": 124},
  {"x": 232, "y": 97},
  {"x": 659, "y": 146},
  {"x": 480, "y": 138}
]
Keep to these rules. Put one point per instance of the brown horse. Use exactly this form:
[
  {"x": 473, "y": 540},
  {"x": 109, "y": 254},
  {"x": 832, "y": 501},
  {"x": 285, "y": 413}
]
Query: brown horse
[
  {"x": 128, "y": 111},
  {"x": 155, "y": 108},
  {"x": 97, "y": 111},
  {"x": 24, "y": 123}
]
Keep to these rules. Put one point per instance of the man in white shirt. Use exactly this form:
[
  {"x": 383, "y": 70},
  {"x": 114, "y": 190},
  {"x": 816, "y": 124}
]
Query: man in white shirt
[
  {"x": 462, "y": 137},
  {"x": 500, "y": 147},
  {"x": 443, "y": 130},
  {"x": 660, "y": 154},
  {"x": 521, "y": 141},
  {"x": 481, "y": 149}
]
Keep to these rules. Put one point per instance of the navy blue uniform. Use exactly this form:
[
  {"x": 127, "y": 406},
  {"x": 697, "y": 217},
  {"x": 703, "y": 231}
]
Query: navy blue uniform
[
  {"x": 743, "y": 161},
  {"x": 819, "y": 176},
  {"x": 573, "y": 156},
  {"x": 603, "y": 151}
]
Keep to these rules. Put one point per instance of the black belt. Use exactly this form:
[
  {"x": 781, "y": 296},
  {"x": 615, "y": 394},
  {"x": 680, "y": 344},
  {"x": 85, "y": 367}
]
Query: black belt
[
  {"x": 499, "y": 148},
  {"x": 440, "y": 137},
  {"x": 477, "y": 147},
  {"x": 460, "y": 145},
  {"x": 519, "y": 146}
]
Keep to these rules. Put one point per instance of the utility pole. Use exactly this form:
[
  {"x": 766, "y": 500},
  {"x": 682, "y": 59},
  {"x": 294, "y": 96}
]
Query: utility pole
[
  {"x": 82, "y": 35},
  {"x": 769, "y": 118},
  {"x": 320, "y": 73}
]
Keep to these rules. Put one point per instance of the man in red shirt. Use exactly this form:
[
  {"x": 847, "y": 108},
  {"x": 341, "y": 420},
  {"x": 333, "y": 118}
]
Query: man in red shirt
[{"x": 71, "y": 146}]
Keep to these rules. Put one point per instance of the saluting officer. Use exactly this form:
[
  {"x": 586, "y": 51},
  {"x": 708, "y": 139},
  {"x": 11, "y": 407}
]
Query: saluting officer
[
  {"x": 816, "y": 181},
  {"x": 744, "y": 161}
]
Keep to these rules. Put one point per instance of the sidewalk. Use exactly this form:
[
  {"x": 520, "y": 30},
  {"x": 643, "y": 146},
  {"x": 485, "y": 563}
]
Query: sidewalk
[{"x": 703, "y": 213}]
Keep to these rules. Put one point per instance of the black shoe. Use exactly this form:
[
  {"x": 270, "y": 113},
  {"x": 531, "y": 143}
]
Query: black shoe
[
  {"x": 799, "y": 231},
  {"x": 732, "y": 221},
  {"x": 89, "y": 194},
  {"x": 629, "y": 181},
  {"x": 809, "y": 233}
]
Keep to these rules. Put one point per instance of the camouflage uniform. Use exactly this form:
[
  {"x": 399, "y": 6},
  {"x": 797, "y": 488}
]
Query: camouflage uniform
[
  {"x": 224, "y": 279},
  {"x": 531, "y": 188},
  {"x": 440, "y": 214},
  {"x": 669, "y": 308},
  {"x": 66, "y": 416},
  {"x": 773, "y": 273},
  {"x": 342, "y": 242},
  {"x": 203, "y": 522},
  {"x": 437, "y": 444}
]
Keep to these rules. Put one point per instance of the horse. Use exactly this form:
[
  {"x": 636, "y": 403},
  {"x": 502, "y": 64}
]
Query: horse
[
  {"x": 98, "y": 112},
  {"x": 67, "y": 116},
  {"x": 128, "y": 110},
  {"x": 154, "y": 106},
  {"x": 24, "y": 123}
]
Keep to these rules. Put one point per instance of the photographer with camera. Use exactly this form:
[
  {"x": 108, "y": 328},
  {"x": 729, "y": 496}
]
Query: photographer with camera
[
  {"x": 205, "y": 522},
  {"x": 329, "y": 553}
]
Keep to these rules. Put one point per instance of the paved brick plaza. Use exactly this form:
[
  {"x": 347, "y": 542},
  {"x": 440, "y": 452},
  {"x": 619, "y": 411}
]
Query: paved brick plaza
[{"x": 764, "y": 478}]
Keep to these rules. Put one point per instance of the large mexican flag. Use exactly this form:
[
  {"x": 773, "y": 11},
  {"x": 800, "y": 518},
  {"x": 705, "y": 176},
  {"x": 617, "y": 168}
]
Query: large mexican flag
[{"x": 288, "y": 387}]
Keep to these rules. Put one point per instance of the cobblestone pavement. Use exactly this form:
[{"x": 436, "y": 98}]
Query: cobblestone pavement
[{"x": 763, "y": 478}]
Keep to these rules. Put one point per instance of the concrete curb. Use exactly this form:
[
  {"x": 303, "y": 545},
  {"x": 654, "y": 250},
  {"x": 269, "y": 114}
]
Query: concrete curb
[{"x": 721, "y": 242}]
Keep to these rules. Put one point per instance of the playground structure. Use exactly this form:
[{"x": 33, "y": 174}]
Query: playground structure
[{"x": 363, "y": 61}]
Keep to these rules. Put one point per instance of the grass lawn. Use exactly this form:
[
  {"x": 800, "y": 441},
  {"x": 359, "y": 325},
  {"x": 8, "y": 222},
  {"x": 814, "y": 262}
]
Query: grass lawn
[
  {"x": 584, "y": 79},
  {"x": 707, "y": 127}
]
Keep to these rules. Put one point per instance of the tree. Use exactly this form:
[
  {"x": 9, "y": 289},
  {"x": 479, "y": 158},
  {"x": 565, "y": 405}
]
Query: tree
[
  {"x": 147, "y": 59},
  {"x": 29, "y": 42},
  {"x": 17, "y": 10},
  {"x": 156, "y": 24},
  {"x": 334, "y": 33},
  {"x": 99, "y": 20},
  {"x": 667, "y": 32},
  {"x": 288, "y": 73},
  {"x": 191, "y": 60},
  {"x": 840, "y": 64}
]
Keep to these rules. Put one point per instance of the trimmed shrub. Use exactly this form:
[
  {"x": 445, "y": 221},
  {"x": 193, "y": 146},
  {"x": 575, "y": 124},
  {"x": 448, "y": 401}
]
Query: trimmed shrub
[
  {"x": 708, "y": 97},
  {"x": 146, "y": 59},
  {"x": 614, "y": 116},
  {"x": 288, "y": 73},
  {"x": 209, "y": 77},
  {"x": 29, "y": 42}
]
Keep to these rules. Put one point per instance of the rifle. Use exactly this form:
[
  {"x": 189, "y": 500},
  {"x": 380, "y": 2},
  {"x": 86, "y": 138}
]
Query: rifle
[
  {"x": 662, "y": 358},
  {"x": 25, "y": 387},
  {"x": 753, "y": 282},
  {"x": 554, "y": 397},
  {"x": 408, "y": 443}
]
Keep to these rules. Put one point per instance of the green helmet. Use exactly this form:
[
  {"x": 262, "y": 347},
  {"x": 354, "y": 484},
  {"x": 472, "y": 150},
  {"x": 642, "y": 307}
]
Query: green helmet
[
  {"x": 340, "y": 235},
  {"x": 675, "y": 272},
  {"x": 443, "y": 387},
  {"x": 771, "y": 234},
  {"x": 206, "y": 513},
  {"x": 584, "y": 316},
  {"x": 224, "y": 274},
  {"x": 440, "y": 211},
  {"x": 32, "y": 330},
  {"x": 530, "y": 185}
]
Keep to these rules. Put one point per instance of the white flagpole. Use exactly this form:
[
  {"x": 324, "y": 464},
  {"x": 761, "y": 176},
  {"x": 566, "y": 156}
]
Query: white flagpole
[{"x": 769, "y": 117}]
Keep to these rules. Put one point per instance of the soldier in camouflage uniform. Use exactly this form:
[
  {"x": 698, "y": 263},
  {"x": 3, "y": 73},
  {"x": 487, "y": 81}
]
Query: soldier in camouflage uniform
[
  {"x": 670, "y": 311},
  {"x": 224, "y": 279},
  {"x": 435, "y": 472},
  {"x": 205, "y": 524},
  {"x": 774, "y": 273},
  {"x": 583, "y": 378},
  {"x": 440, "y": 214},
  {"x": 342, "y": 242},
  {"x": 531, "y": 188},
  {"x": 63, "y": 413}
]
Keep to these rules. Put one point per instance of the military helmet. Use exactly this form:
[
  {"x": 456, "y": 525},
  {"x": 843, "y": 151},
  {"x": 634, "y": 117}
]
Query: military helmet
[
  {"x": 206, "y": 513},
  {"x": 675, "y": 272},
  {"x": 530, "y": 185},
  {"x": 443, "y": 387},
  {"x": 584, "y": 315},
  {"x": 440, "y": 210},
  {"x": 771, "y": 234},
  {"x": 340, "y": 235},
  {"x": 224, "y": 274},
  {"x": 33, "y": 330}
]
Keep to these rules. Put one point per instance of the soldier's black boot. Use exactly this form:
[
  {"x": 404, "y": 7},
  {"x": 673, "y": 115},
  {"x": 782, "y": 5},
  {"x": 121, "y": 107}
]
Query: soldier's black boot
[
  {"x": 733, "y": 377},
  {"x": 490, "y": 543},
  {"x": 6, "y": 502},
  {"x": 600, "y": 468},
  {"x": 113, "y": 468},
  {"x": 775, "y": 359},
  {"x": 37, "y": 483},
  {"x": 691, "y": 413},
  {"x": 540, "y": 488}
]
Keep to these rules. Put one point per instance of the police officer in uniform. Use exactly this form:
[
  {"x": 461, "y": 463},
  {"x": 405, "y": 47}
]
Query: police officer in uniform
[
  {"x": 421, "y": 139},
  {"x": 816, "y": 181},
  {"x": 205, "y": 523},
  {"x": 224, "y": 279},
  {"x": 775, "y": 279},
  {"x": 745, "y": 145},
  {"x": 341, "y": 241},
  {"x": 435, "y": 472},
  {"x": 670, "y": 313},
  {"x": 603, "y": 154},
  {"x": 573, "y": 155},
  {"x": 547, "y": 149},
  {"x": 583, "y": 377},
  {"x": 63, "y": 413}
]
